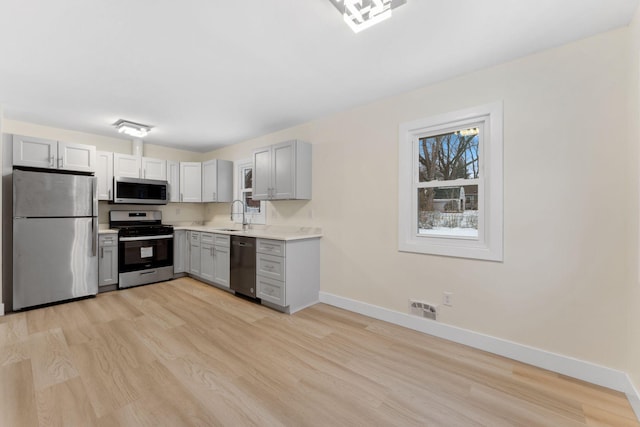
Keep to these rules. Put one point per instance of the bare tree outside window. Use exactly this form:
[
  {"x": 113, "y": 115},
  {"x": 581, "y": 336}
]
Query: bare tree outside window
[{"x": 447, "y": 194}]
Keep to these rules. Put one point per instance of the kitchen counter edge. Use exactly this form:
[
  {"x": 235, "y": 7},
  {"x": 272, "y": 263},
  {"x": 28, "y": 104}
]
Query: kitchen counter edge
[{"x": 262, "y": 234}]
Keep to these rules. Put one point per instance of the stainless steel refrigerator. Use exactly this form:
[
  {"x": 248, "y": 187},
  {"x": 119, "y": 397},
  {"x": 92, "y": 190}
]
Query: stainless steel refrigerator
[{"x": 55, "y": 237}]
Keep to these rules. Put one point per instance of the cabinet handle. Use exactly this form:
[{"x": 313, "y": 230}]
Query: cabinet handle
[
  {"x": 51, "y": 159},
  {"x": 109, "y": 196},
  {"x": 101, "y": 252}
]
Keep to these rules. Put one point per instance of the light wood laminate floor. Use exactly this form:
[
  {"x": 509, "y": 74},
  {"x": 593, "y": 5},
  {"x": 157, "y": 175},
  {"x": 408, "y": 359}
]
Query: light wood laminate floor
[{"x": 182, "y": 353}]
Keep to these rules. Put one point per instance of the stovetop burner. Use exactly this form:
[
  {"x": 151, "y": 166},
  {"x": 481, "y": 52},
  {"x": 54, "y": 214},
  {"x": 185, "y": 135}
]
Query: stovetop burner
[{"x": 138, "y": 223}]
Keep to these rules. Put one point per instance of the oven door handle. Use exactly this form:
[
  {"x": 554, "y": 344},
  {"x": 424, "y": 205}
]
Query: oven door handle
[{"x": 137, "y": 239}]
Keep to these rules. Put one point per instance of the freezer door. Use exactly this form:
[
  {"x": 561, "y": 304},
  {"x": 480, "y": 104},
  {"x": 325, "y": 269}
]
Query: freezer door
[
  {"x": 43, "y": 194},
  {"x": 53, "y": 260}
]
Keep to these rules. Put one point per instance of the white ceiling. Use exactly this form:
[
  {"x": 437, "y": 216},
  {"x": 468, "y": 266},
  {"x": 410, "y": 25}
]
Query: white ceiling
[{"x": 208, "y": 73}]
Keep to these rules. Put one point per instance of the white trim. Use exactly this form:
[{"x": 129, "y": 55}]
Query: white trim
[
  {"x": 489, "y": 245},
  {"x": 634, "y": 398},
  {"x": 565, "y": 365},
  {"x": 1, "y": 309}
]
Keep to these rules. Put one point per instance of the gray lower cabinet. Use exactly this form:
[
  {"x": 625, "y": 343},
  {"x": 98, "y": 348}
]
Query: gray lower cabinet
[
  {"x": 180, "y": 252},
  {"x": 288, "y": 273},
  {"x": 194, "y": 253},
  {"x": 209, "y": 257},
  {"x": 206, "y": 256},
  {"x": 221, "y": 259},
  {"x": 108, "y": 262}
]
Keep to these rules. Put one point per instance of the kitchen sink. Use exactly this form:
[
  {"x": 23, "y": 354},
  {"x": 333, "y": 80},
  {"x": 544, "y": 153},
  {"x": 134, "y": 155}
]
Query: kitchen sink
[{"x": 227, "y": 229}]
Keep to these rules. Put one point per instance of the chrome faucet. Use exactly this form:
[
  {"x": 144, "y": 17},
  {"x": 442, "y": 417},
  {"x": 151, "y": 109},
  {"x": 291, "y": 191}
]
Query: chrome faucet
[{"x": 245, "y": 224}]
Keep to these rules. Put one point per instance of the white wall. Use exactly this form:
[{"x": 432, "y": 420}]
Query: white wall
[
  {"x": 633, "y": 307},
  {"x": 564, "y": 282}
]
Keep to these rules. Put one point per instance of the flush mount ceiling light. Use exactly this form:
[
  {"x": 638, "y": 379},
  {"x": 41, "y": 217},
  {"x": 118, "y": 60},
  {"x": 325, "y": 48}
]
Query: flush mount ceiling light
[
  {"x": 133, "y": 129},
  {"x": 362, "y": 14}
]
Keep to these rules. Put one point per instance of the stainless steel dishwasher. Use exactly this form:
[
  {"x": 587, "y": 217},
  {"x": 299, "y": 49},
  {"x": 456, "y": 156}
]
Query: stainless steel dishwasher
[{"x": 243, "y": 265}]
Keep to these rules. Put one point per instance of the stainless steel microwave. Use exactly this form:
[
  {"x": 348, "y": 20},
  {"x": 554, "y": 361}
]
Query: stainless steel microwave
[{"x": 136, "y": 191}]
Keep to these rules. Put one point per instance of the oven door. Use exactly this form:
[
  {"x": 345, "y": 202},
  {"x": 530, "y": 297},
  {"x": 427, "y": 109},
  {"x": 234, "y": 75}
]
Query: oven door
[{"x": 145, "y": 252}]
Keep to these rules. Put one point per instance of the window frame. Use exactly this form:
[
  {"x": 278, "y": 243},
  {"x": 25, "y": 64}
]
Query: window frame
[
  {"x": 489, "y": 243},
  {"x": 252, "y": 218}
]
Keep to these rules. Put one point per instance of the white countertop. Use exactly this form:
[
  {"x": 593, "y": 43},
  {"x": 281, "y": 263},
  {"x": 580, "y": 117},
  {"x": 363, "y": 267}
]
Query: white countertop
[
  {"x": 265, "y": 233},
  {"x": 107, "y": 231}
]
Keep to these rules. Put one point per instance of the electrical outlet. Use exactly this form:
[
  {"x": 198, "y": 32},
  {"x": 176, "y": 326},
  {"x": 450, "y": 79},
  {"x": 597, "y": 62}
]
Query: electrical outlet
[{"x": 447, "y": 299}]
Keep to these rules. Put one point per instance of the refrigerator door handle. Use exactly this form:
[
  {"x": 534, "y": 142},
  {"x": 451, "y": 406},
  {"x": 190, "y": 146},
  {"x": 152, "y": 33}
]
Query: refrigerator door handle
[
  {"x": 94, "y": 237},
  {"x": 94, "y": 219}
]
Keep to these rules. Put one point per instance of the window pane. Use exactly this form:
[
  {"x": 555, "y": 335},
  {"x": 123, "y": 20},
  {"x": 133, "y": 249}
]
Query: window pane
[
  {"x": 248, "y": 178},
  {"x": 252, "y": 206},
  {"x": 448, "y": 211},
  {"x": 449, "y": 156}
]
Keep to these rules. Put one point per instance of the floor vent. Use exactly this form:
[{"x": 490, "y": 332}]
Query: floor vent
[{"x": 422, "y": 309}]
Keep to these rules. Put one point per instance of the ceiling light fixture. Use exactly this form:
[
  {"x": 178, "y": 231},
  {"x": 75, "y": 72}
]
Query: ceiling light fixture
[
  {"x": 131, "y": 128},
  {"x": 362, "y": 14}
]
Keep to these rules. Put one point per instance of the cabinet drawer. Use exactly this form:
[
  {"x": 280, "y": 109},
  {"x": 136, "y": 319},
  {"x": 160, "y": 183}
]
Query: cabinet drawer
[
  {"x": 270, "y": 266},
  {"x": 206, "y": 238},
  {"x": 194, "y": 237},
  {"x": 271, "y": 290},
  {"x": 110, "y": 239},
  {"x": 222, "y": 240},
  {"x": 271, "y": 247}
]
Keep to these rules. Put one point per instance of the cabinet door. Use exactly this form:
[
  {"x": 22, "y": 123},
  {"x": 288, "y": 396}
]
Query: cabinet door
[
  {"x": 76, "y": 157},
  {"x": 283, "y": 168},
  {"x": 206, "y": 262},
  {"x": 210, "y": 181},
  {"x": 194, "y": 260},
  {"x": 224, "y": 180},
  {"x": 154, "y": 168},
  {"x": 104, "y": 173},
  {"x": 108, "y": 266},
  {"x": 179, "y": 251},
  {"x": 261, "y": 173},
  {"x": 190, "y": 182},
  {"x": 221, "y": 269},
  {"x": 35, "y": 152},
  {"x": 173, "y": 177},
  {"x": 125, "y": 165}
]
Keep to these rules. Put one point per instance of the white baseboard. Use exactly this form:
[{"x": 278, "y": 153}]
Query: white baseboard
[
  {"x": 565, "y": 365},
  {"x": 634, "y": 398}
]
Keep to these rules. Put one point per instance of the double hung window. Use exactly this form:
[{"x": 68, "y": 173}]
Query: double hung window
[{"x": 450, "y": 176}]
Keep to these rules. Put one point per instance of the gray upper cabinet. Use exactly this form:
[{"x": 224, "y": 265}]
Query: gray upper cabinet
[
  {"x": 130, "y": 166},
  {"x": 50, "y": 154},
  {"x": 191, "y": 182},
  {"x": 217, "y": 181},
  {"x": 127, "y": 166},
  {"x": 173, "y": 178},
  {"x": 104, "y": 173},
  {"x": 282, "y": 171},
  {"x": 154, "y": 169}
]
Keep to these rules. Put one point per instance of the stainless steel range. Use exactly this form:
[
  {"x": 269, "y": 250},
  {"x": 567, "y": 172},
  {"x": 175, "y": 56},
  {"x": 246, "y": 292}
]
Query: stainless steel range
[{"x": 145, "y": 247}]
